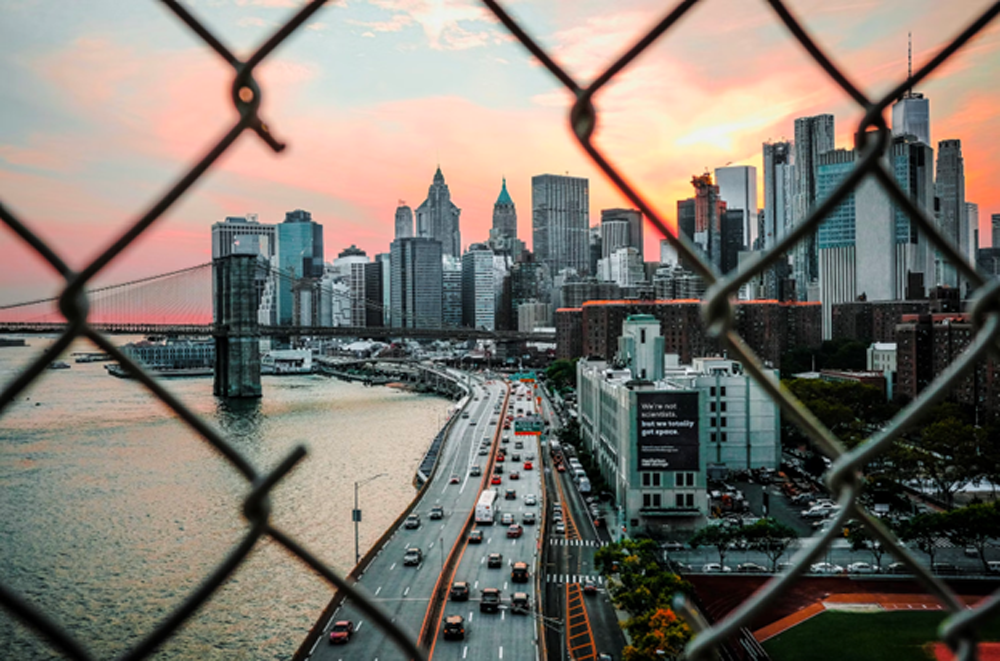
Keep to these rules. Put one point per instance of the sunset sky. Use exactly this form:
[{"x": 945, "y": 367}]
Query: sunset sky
[{"x": 105, "y": 103}]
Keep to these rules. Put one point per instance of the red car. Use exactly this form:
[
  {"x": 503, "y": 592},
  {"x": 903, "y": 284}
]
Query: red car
[
  {"x": 501, "y": 456},
  {"x": 514, "y": 475},
  {"x": 528, "y": 466},
  {"x": 515, "y": 530},
  {"x": 454, "y": 479},
  {"x": 496, "y": 480},
  {"x": 589, "y": 587},
  {"x": 341, "y": 632},
  {"x": 561, "y": 468}
]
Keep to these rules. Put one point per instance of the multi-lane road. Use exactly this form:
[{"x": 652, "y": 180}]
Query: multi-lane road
[{"x": 404, "y": 591}]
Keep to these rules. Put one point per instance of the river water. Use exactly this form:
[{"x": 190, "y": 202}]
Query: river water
[{"x": 112, "y": 511}]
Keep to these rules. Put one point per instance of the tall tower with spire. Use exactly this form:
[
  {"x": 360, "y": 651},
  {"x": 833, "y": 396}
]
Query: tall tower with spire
[
  {"x": 438, "y": 217},
  {"x": 504, "y": 217},
  {"x": 911, "y": 114}
]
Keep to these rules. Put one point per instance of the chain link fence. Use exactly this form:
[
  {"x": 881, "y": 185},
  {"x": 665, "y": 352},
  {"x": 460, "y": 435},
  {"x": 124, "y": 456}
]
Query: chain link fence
[{"x": 958, "y": 630}]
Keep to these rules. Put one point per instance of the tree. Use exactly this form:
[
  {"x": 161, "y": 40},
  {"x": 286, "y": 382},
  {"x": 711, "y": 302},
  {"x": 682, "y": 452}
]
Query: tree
[
  {"x": 949, "y": 457},
  {"x": 924, "y": 531},
  {"x": 656, "y": 636},
  {"x": 973, "y": 526},
  {"x": 722, "y": 537},
  {"x": 561, "y": 374},
  {"x": 770, "y": 538},
  {"x": 862, "y": 540}
]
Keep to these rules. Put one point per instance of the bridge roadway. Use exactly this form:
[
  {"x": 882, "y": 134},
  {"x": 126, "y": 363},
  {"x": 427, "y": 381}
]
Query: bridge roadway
[
  {"x": 404, "y": 592},
  {"x": 502, "y": 635}
]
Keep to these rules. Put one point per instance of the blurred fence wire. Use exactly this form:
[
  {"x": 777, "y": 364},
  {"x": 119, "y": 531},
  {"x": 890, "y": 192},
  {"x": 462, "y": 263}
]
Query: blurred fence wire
[{"x": 873, "y": 138}]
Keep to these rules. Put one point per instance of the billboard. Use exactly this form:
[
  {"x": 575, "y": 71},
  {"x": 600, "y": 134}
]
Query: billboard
[{"x": 667, "y": 431}]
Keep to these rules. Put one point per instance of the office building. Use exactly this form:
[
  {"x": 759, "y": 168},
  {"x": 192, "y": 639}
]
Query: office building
[
  {"x": 738, "y": 189},
  {"x": 300, "y": 255},
  {"x": 655, "y": 427},
  {"x": 438, "y": 217},
  {"x": 385, "y": 259},
  {"x": 629, "y": 236},
  {"x": 373, "y": 293},
  {"x": 243, "y": 234},
  {"x": 478, "y": 288},
  {"x": 813, "y": 136},
  {"x": 416, "y": 283},
  {"x": 778, "y": 212},
  {"x": 451, "y": 291},
  {"x": 560, "y": 213},
  {"x": 949, "y": 184},
  {"x": 404, "y": 221},
  {"x": 505, "y": 215},
  {"x": 972, "y": 222},
  {"x": 995, "y": 229},
  {"x": 532, "y": 315}
]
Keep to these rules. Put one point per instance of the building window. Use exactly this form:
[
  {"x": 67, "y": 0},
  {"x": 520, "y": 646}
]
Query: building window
[
  {"x": 722, "y": 406},
  {"x": 657, "y": 502},
  {"x": 656, "y": 479},
  {"x": 722, "y": 391},
  {"x": 722, "y": 422},
  {"x": 715, "y": 438},
  {"x": 645, "y": 479},
  {"x": 711, "y": 391},
  {"x": 647, "y": 499},
  {"x": 690, "y": 479},
  {"x": 684, "y": 500},
  {"x": 711, "y": 407},
  {"x": 724, "y": 437},
  {"x": 642, "y": 335}
]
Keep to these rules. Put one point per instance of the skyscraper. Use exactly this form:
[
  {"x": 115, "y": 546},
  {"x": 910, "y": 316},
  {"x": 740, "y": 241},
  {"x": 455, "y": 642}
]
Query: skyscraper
[
  {"x": 416, "y": 283},
  {"x": 478, "y": 288},
  {"x": 972, "y": 222},
  {"x": 451, "y": 291},
  {"x": 437, "y": 217},
  {"x": 404, "y": 221},
  {"x": 300, "y": 255},
  {"x": 813, "y": 136},
  {"x": 738, "y": 189},
  {"x": 228, "y": 235},
  {"x": 633, "y": 237},
  {"x": 911, "y": 114},
  {"x": 995, "y": 227},
  {"x": 504, "y": 214},
  {"x": 560, "y": 210},
  {"x": 949, "y": 184}
]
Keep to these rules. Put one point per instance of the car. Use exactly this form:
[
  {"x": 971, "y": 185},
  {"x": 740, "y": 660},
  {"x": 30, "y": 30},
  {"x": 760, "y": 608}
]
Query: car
[
  {"x": 530, "y": 456},
  {"x": 519, "y": 603},
  {"x": 515, "y": 530},
  {"x": 945, "y": 569},
  {"x": 826, "y": 568},
  {"x": 490, "y": 601},
  {"x": 454, "y": 479},
  {"x": 716, "y": 568},
  {"x": 560, "y": 529},
  {"x": 510, "y": 494},
  {"x": 515, "y": 457},
  {"x": 820, "y": 511},
  {"x": 518, "y": 445},
  {"x": 514, "y": 475},
  {"x": 498, "y": 470},
  {"x": 605, "y": 657},
  {"x": 672, "y": 546},
  {"x": 472, "y": 423},
  {"x": 971, "y": 552},
  {"x": 495, "y": 479},
  {"x": 412, "y": 557},
  {"x": 483, "y": 452},
  {"x": 475, "y": 471},
  {"x": 341, "y": 632},
  {"x": 560, "y": 468},
  {"x": 860, "y": 568},
  {"x": 454, "y": 627},
  {"x": 506, "y": 519},
  {"x": 557, "y": 516},
  {"x": 528, "y": 518},
  {"x": 501, "y": 457},
  {"x": 898, "y": 568},
  {"x": 412, "y": 521},
  {"x": 528, "y": 465},
  {"x": 437, "y": 512},
  {"x": 505, "y": 439},
  {"x": 529, "y": 499},
  {"x": 589, "y": 587},
  {"x": 459, "y": 591},
  {"x": 476, "y": 536},
  {"x": 751, "y": 568},
  {"x": 465, "y": 416},
  {"x": 494, "y": 561},
  {"x": 519, "y": 572}
]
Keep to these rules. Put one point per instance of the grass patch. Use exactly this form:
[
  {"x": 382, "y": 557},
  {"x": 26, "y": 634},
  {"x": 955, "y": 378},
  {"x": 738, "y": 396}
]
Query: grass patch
[{"x": 891, "y": 635}]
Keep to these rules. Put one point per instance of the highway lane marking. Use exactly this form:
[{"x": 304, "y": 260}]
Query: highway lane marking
[
  {"x": 476, "y": 584},
  {"x": 505, "y": 586},
  {"x": 378, "y": 590},
  {"x": 470, "y": 616},
  {"x": 465, "y": 651},
  {"x": 501, "y": 651},
  {"x": 392, "y": 566},
  {"x": 406, "y": 591},
  {"x": 502, "y": 614},
  {"x": 358, "y": 628}
]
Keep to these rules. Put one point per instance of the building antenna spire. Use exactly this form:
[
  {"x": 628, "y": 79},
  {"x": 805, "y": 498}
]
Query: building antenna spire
[{"x": 909, "y": 62}]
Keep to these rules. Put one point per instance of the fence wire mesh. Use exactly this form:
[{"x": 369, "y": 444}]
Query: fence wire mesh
[{"x": 873, "y": 136}]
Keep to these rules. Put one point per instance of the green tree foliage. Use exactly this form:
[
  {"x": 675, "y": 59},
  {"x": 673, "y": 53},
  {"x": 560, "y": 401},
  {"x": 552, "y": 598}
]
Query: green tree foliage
[
  {"x": 561, "y": 374},
  {"x": 948, "y": 453},
  {"x": 973, "y": 526},
  {"x": 656, "y": 636},
  {"x": 862, "y": 540},
  {"x": 923, "y": 531},
  {"x": 770, "y": 537},
  {"x": 639, "y": 585},
  {"x": 840, "y": 354},
  {"x": 721, "y": 537},
  {"x": 570, "y": 433},
  {"x": 851, "y": 410}
]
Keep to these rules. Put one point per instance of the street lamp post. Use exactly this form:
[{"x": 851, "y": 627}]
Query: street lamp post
[{"x": 356, "y": 515}]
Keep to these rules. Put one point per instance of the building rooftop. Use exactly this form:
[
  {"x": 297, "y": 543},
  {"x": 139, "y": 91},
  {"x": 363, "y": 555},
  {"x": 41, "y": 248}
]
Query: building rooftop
[{"x": 504, "y": 197}]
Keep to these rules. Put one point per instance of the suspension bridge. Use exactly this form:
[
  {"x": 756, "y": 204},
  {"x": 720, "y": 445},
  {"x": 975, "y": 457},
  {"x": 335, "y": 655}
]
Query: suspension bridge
[{"x": 180, "y": 303}]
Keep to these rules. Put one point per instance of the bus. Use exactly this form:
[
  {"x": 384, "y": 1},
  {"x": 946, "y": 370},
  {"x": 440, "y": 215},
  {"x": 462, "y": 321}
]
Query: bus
[{"x": 486, "y": 508}]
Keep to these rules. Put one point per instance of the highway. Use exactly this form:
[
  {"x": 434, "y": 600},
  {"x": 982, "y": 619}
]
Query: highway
[
  {"x": 501, "y": 635},
  {"x": 404, "y": 591}
]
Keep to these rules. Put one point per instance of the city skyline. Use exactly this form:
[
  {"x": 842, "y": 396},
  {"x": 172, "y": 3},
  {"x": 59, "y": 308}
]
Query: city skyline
[{"x": 99, "y": 121}]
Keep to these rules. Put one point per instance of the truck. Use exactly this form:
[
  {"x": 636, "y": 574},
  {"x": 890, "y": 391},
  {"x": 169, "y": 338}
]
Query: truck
[{"x": 486, "y": 507}]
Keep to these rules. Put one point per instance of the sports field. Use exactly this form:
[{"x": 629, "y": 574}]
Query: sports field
[{"x": 870, "y": 636}]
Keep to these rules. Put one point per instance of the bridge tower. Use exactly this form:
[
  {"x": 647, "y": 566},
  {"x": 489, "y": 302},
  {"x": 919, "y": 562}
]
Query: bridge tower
[{"x": 237, "y": 335}]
